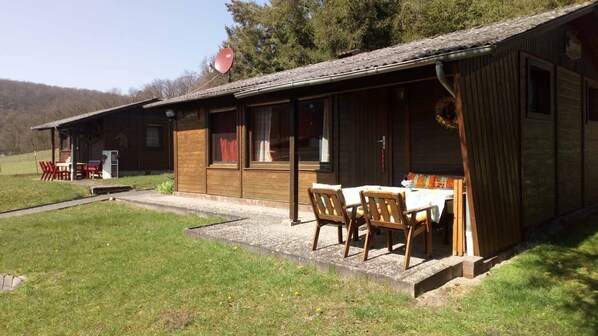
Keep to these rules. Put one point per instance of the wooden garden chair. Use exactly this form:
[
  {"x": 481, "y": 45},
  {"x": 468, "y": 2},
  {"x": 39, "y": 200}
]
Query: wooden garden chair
[
  {"x": 387, "y": 210},
  {"x": 56, "y": 172},
  {"x": 93, "y": 169},
  {"x": 330, "y": 209},
  {"x": 46, "y": 173}
]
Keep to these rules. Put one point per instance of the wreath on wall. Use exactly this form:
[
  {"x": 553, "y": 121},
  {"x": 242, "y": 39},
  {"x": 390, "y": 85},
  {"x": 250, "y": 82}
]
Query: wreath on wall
[{"x": 446, "y": 113}]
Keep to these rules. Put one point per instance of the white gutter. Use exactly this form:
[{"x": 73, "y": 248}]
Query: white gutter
[{"x": 452, "y": 56}]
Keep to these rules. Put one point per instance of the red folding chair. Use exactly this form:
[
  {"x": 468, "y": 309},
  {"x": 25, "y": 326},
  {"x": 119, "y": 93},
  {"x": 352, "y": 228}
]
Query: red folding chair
[
  {"x": 57, "y": 173},
  {"x": 45, "y": 171}
]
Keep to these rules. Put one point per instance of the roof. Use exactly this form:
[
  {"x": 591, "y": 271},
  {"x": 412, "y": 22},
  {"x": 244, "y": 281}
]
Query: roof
[
  {"x": 92, "y": 115},
  {"x": 460, "y": 44}
]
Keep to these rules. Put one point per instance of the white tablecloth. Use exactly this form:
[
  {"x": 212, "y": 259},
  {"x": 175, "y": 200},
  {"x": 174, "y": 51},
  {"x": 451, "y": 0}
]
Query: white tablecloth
[{"x": 415, "y": 198}]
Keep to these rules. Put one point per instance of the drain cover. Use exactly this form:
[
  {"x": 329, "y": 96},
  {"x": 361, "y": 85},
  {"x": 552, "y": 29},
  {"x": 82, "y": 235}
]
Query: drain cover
[{"x": 10, "y": 282}]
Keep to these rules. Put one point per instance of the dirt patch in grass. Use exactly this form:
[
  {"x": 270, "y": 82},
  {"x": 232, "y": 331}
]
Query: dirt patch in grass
[
  {"x": 447, "y": 295},
  {"x": 175, "y": 320}
]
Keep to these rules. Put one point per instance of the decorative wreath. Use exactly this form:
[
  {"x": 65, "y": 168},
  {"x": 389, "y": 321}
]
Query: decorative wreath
[{"x": 446, "y": 114}]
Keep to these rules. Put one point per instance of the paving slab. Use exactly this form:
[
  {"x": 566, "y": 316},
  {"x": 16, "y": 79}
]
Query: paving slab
[{"x": 267, "y": 230}]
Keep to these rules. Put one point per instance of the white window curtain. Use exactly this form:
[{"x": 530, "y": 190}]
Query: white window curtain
[
  {"x": 261, "y": 141},
  {"x": 325, "y": 140}
]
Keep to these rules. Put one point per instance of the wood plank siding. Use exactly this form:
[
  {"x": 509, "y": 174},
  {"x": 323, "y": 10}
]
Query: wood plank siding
[
  {"x": 569, "y": 141},
  {"x": 433, "y": 148},
  {"x": 190, "y": 155},
  {"x": 590, "y": 176},
  {"x": 266, "y": 184},
  {"x": 489, "y": 94},
  {"x": 224, "y": 182},
  {"x": 125, "y": 131},
  {"x": 526, "y": 168}
]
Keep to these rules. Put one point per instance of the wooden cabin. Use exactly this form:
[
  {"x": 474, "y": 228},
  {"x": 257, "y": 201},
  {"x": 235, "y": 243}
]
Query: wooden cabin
[
  {"x": 143, "y": 138},
  {"x": 525, "y": 111}
]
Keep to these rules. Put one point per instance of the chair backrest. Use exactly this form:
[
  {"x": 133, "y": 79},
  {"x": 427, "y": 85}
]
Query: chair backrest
[
  {"x": 51, "y": 166},
  {"x": 328, "y": 204},
  {"x": 384, "y": 208},
  {"x": 94, "y": 163},
  {"x": 42, "y": 164}
]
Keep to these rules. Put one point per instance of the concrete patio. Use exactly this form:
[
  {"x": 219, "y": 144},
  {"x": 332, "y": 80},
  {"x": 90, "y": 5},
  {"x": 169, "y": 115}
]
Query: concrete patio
[{"x": 267, "y": 231}]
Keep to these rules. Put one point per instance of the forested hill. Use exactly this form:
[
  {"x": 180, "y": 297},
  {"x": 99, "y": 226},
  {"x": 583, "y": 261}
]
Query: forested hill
[{"x": 25, "y": 104}]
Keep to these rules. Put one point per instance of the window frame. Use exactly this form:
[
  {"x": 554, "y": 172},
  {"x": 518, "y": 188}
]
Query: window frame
[
  {"x": 160, "y": 136},
  {"x": 532, "y": 62},
  {"x": 220, "y": 164},
  {"x": 251, "y": 164}
]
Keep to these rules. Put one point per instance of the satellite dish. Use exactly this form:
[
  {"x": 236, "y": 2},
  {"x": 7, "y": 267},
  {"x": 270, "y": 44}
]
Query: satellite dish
[{"x": 224, "y": 60}]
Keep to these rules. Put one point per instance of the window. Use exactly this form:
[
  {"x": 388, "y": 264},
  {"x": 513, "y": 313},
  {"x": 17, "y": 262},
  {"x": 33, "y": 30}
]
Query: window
[
  {"x": 313, "y": 142},
  {"x": 64, "y": 142},
  {"x": 269, "y": 131},
  {"x": 153, "y": 136},
  {"x": 223, "y": 137},
  {"x": 539, "y": 84},
  {"x": 592, "y": 103}
]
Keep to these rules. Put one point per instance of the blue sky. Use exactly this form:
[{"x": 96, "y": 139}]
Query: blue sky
[{"x": 109, "y": 43}]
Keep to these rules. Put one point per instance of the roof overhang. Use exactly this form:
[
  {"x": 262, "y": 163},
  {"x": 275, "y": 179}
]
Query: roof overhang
[
  {"x": 447, "y": 57},
  {"x": 71, "y": 121}
]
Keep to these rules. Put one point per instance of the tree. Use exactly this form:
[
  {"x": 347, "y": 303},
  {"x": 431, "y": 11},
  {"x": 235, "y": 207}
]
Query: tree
[{"x": 343, "y": 25}]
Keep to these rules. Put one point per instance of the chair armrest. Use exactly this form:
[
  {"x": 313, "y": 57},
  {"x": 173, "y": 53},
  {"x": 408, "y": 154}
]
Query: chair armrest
[
  {"x": 352, "y": 205},
  {"x": 420, "y": 209}
]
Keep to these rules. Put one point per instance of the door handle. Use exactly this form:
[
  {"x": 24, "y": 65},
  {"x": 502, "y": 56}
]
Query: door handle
[
  {"x": 383, "y": 141},
  {"x": 383, "y": 154}
]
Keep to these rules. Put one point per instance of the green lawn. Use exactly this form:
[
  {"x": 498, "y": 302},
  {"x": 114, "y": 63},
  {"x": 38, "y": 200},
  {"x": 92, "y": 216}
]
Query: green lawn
[
  {"x": 24, "y": 163},
  {"x": 139, "y": 182},
  {"x": 108, "y": 268},
  {"x": 23, "y": 191}
]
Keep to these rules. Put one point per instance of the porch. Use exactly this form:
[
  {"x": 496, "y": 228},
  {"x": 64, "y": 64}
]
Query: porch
[{"x": 265, "y": 230}]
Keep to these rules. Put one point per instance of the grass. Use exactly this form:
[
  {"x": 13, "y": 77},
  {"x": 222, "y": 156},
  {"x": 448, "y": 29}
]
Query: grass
[
  {"x": 17, "y": 192},
  {"x": 24, "y": 163},
  {"x": 108, "y": 268},
  {"x": 139, "y": 182}
]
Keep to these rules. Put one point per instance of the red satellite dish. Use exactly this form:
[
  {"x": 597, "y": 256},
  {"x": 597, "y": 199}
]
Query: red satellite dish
[{"x": 224, "y": 60}]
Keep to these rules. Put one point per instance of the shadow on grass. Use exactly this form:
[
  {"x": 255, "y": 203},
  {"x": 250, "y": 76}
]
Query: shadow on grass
[{"x": 564, "y": 268}]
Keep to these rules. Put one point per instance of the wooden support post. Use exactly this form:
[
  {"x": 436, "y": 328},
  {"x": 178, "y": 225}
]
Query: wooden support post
[
  {"x": 459, "y": 219},
  {"x": 74, "y": 140},
  {"x": 52, "y": 136},
  {"x": 293, "y": 161}
]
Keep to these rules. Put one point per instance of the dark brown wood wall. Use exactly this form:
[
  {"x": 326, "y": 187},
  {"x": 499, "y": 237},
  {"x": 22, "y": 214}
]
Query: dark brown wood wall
[
  {"x": 125, "y": 132},
  {"x": 121, "y": 133},
  {"x": 569, "y": 141},
  {"x": 538, "y": 153},
  {"x": 489, "y": 93},
  {"x": 434, "y": 149},
  {"x": 513, "y": 158},
  {"x": 590, "y": 156}
]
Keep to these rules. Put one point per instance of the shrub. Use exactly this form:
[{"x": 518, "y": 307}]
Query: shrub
[{"x": 166, "y": 187}]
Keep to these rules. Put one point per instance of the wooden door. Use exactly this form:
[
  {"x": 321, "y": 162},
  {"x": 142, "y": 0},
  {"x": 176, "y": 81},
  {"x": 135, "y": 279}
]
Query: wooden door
[{"x": 364, "y": 155}]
